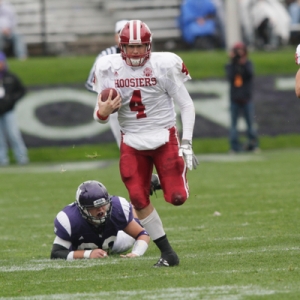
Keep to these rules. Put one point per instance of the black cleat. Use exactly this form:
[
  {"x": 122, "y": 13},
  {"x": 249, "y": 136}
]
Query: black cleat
[
  {"x": 171, "y": 260},
  {"x": 155, "y": 184},
  {"x": 161, "y": 263}
]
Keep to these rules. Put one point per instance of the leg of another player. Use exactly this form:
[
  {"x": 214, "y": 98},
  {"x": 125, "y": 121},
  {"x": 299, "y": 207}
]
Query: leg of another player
[
  {"x": 233, "y": 132},
  {"x": 151, "y": 221}
]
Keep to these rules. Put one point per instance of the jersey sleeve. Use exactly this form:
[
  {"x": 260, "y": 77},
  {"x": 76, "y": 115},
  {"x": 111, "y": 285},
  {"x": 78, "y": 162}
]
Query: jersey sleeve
[
  {"x": 175, "y": 73},
  {"x": 90, "y": 79},
  {"x": 121, "y": 213},
  {"x": 62, "y": 226},
  {"x": 97, "y": 84},
  {"x": 105, "y": 67}
]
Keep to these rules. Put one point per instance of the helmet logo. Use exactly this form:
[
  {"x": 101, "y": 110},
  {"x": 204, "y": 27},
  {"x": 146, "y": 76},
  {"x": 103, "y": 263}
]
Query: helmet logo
[{"x": 100, "y": 202}]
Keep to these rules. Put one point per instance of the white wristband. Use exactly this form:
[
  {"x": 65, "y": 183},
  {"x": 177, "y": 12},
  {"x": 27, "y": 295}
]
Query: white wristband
[
  {"x": 87, "y": 253},
  {"x": 139, "y": 247},
  {"x": 70, "y": 256}
]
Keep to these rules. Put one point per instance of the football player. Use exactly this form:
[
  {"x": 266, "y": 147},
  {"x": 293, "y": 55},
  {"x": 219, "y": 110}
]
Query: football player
[
  {"x": 148, "y": 84},
  {"x": 113, "y": 120},
  {"x": 97, "y": 224}
]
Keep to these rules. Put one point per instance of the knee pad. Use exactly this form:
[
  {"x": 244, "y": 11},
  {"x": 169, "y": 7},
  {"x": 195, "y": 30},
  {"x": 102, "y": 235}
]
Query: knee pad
[{"x": 177, "y": 199}]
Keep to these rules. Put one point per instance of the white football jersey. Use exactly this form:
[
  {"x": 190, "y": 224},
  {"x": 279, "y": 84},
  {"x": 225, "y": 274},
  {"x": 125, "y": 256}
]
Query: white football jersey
[{"x": 146, "y": 91}]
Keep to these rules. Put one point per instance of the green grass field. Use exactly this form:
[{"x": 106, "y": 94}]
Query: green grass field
[
  {"x": 201, "y": 64},
  {"x": 249, "y": 251}
]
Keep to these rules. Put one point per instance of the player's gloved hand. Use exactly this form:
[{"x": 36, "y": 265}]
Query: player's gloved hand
[
  {"x": 186, "y": 151},
  {"x": 297, "y": 55}
]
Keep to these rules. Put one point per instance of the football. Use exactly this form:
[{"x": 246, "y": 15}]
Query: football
[{"x": 105, "y": 94}]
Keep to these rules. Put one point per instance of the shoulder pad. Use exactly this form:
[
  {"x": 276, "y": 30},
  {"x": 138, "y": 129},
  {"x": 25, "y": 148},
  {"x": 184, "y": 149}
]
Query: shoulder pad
[
  {"x": 112, "y": 61},
  {"x": 166, "y": 59}
]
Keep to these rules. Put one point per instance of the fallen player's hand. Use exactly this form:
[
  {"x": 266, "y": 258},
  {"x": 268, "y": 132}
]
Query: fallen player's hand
[
  {"x": 98, "y": 253},
  {"x": 186, "y": 151},
  {"x": 129, "y": 255},
  {"x": 297, "y": 55}
]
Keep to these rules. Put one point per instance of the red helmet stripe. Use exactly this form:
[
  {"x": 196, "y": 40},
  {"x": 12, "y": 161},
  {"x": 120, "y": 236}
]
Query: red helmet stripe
[{"x": 135, "y": 32}]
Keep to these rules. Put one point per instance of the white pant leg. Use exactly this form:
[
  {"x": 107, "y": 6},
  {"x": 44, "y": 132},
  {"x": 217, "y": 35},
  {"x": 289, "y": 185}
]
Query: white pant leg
[
  {"x": 122, "y": 243},
  {"x": 4, "y": 159}
]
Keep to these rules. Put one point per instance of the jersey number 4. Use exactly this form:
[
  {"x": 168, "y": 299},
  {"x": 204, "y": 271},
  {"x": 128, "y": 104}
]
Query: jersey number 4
[{"x": 137, "y": 105}]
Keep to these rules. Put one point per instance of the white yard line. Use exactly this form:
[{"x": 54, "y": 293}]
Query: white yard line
[{"x": 228, "y": 292}]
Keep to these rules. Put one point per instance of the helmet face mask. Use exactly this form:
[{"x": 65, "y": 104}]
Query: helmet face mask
[
  {"x": 135, "y": 33},
  {"x": 90, "y": 195}
]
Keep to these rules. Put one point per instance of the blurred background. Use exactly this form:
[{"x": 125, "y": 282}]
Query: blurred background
[
  {"x": 63, "y": 37},
  {"x": 57, "y": 27}
]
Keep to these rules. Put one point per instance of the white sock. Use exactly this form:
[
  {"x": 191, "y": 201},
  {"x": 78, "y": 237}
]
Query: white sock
[{"x": 153, "y": 225}]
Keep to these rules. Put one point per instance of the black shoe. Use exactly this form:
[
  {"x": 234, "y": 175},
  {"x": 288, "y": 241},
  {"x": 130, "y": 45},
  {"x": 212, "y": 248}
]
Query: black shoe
[
  {"x": 155, "y": 184},
  {"x": 171, "y": 260},
  {"x": 161, "y": 263}
]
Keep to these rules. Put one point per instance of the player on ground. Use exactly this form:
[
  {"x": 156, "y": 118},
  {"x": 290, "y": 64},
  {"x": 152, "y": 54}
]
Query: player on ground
[
  {"x": 97, "y": 224},
  {"x": 148, "y": 84}
]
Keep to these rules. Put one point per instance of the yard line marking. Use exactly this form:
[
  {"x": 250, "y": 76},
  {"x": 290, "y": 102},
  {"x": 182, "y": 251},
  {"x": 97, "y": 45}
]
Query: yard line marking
[
  {"x": 38, "y": 265},
  {"x": 233, "y": 292}
]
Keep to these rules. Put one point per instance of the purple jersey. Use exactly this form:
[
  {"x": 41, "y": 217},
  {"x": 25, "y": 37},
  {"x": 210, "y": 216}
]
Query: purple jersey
[{"x": 70, "y": 226}]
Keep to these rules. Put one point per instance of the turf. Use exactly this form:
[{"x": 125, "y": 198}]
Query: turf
[
  {"x": 37, "y": 71},
  {"x": 237, "y": 235},
  {"x": 111, "y": 151}
]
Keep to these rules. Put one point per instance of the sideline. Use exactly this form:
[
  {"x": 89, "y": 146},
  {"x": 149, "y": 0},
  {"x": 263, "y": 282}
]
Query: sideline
[
  {"x": 55, "y": 167},
  {"x": 90, "y": 165}
]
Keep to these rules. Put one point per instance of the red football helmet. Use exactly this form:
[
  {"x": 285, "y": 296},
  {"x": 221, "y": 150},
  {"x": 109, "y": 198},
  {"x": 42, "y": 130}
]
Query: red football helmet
[{"x": 135, "y": 32}]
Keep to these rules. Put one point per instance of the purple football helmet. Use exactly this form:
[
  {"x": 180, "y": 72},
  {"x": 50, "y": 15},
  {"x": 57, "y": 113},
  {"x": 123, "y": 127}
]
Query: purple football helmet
[{"x": 92, "y": 194}]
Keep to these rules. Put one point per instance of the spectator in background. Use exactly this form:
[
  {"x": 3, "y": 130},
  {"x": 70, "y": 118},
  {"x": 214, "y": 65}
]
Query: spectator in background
[
  {"x": 198, "y": 25},
  {"x": 113, "y": 120},
  {"x": 265, "y": 23},
  {"x": 240, "y": 75},
  {"x": 297, "y": 78},
  {"x": 294, "y": 11},
  {"x": 11, "y": 90},
  {"x": 8, "y": 31}
]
